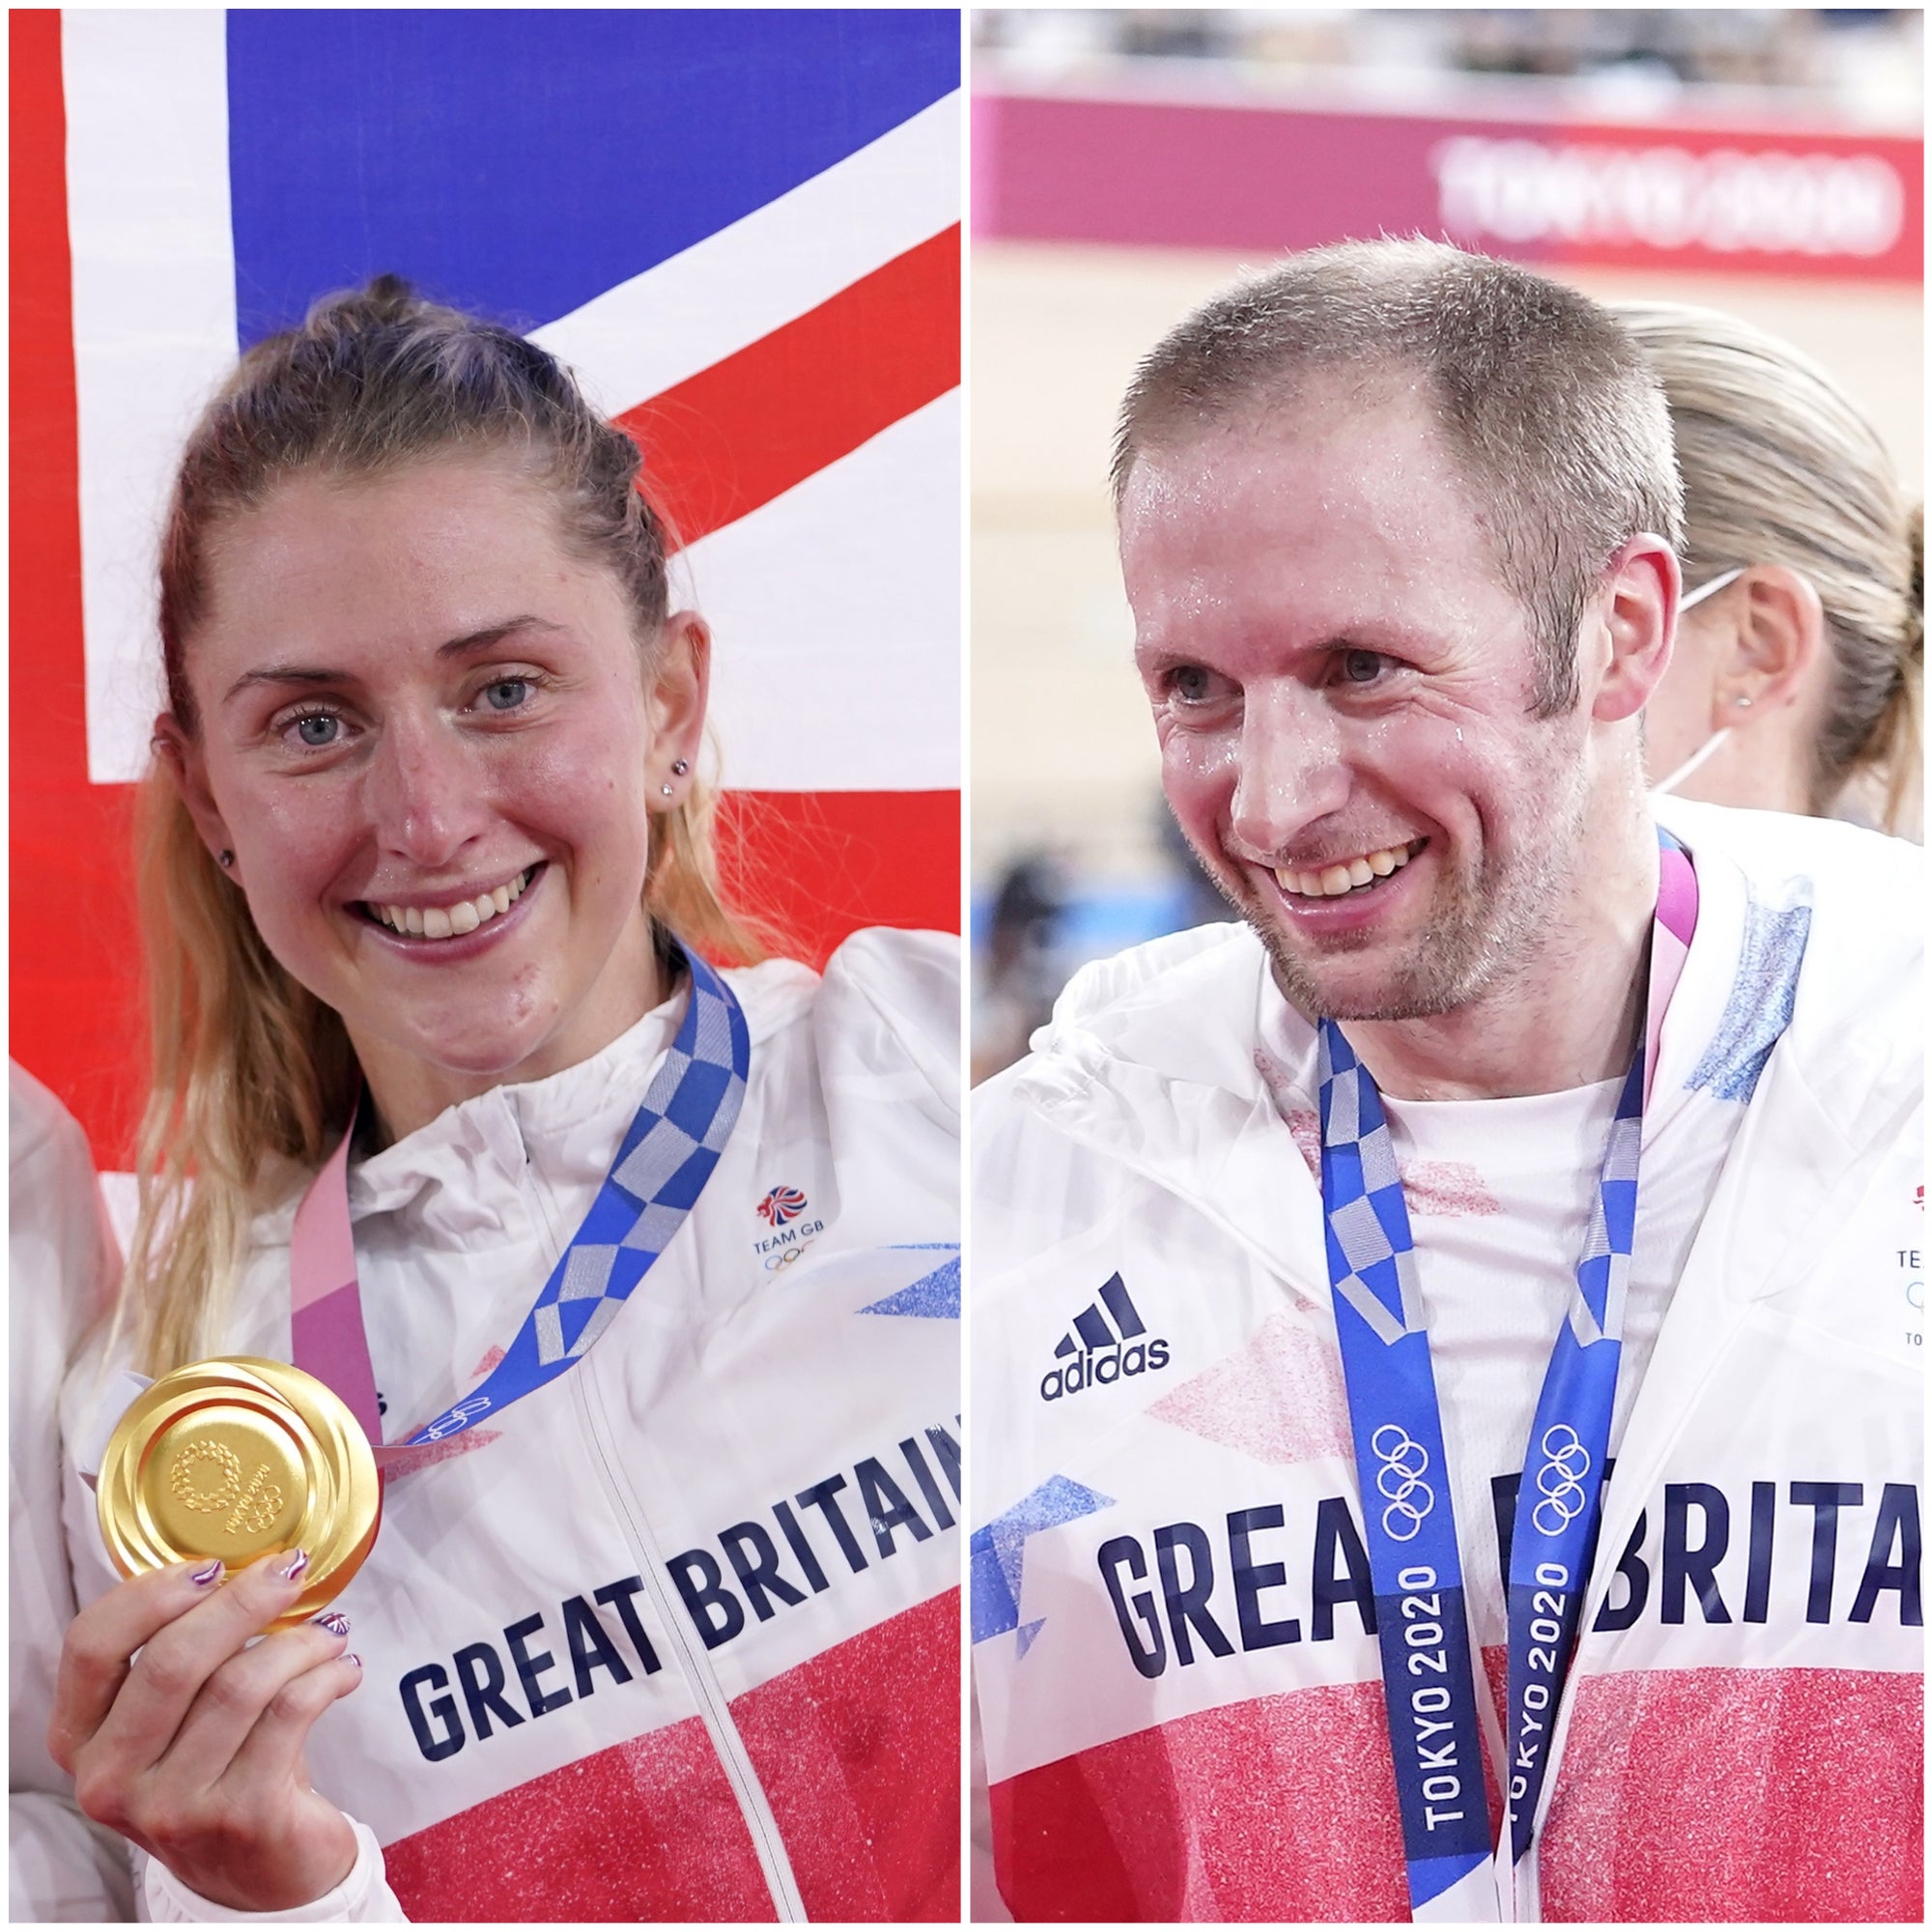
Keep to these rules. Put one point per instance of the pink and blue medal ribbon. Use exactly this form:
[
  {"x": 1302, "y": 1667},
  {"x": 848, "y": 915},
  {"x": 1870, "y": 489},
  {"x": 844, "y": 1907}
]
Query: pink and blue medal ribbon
[
  {"x": 667, "y": 1154},
  {"x": 1429, "y": 1668}
]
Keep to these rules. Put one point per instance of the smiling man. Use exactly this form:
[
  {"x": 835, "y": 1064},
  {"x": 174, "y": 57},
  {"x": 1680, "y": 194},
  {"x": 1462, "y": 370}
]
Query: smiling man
[{"x": 1511, "y": 1141}]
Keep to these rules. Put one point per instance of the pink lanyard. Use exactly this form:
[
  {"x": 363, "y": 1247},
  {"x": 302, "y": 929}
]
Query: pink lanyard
[{"x": 326, "y": 1337}]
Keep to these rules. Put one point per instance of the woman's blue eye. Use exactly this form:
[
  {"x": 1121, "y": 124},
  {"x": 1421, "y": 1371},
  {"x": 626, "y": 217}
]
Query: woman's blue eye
[
  {"x": 318, "y": 730},
  {"x": 1362, "y": 667},
  {"x": 507, "y": 693}
]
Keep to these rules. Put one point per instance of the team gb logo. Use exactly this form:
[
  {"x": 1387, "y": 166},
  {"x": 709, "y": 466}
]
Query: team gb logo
[{"x": 782, "y": 1205}]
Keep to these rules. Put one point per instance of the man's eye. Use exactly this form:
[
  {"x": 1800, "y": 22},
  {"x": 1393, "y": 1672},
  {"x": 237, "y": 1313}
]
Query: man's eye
[
  {"x": 1191, "y": 684},
  {"x": 1362, "y": 667},
  {"x": 507, "y": 694},
  {"x": 318, "y": 730}
]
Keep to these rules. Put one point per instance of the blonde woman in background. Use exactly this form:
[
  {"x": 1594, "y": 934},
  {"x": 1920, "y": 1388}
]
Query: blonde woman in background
[
  {"x": 1795, "y": 683},
  {"x": 424, "y": 828}
]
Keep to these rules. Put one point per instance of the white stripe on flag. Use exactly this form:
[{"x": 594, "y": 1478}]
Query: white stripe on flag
[
  {"x": 836, "y": 608},
  {"x": 846, "y": 586},
  {"x": 725, "y": 292},
  {"x": 154, "y": 323}
]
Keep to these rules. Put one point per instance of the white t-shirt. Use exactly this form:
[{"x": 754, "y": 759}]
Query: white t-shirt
[{"x": 1501, "y": 1195}]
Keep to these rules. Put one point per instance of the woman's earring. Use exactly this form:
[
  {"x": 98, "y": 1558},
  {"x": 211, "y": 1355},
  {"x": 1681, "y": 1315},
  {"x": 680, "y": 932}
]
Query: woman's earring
[
  {"x": 224, "y": 858},
  {"x": 666, "y": 790},
  {"x": 678, "y": 770},
  {"x": 1743, "y": 704}
]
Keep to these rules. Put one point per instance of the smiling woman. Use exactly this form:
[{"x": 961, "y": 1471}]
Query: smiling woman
[
  {"x": 363, "y": 713},
  {"x": 434, "y": 940},
  {"x": 399, "y": 756}
]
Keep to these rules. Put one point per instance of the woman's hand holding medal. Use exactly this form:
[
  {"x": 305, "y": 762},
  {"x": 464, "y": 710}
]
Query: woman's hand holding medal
[
  {"x": 188, "y": 1738},
  {"x": 183, "y": 1731}
]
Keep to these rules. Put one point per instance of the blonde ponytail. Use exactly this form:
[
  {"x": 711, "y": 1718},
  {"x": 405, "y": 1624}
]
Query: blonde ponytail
[
  {"x": 1897, "y": 745},
  {"x": 683, "y": 891},
  {"x": 1781, "y": 466}
]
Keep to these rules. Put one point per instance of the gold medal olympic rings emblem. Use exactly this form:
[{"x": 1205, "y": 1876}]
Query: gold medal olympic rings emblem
[
  {"x": 189, "y": 1461},
  {"x": 1566, "y": 1462},
  {"x": 1408, "y": 1497},
  {"x": 254, "y": 1508}
]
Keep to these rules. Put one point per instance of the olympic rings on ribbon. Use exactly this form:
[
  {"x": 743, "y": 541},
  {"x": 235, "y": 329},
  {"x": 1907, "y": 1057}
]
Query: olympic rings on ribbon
[
  {"x": 1560, "y": 1479},
  {"x": 1400, "y": 1480}
]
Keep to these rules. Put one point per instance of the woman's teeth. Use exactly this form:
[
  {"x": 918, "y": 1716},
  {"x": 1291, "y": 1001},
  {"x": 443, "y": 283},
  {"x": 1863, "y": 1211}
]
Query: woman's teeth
[
  {"x": 1334, "y": 880},
  {"x": 454, "y": 921}
]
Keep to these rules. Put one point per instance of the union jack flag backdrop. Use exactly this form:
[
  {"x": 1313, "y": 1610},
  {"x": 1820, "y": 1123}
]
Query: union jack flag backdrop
[{"x": 740, "y": 229}]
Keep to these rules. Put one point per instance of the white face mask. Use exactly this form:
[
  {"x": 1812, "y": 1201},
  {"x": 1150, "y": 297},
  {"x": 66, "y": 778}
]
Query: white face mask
[{"x": 1716, "y": 737}]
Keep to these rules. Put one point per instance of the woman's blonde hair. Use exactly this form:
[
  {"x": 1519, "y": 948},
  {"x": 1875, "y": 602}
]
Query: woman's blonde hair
[
  {"x": 252, "y": 1076},
  {"x": 1781, "y": 466}
]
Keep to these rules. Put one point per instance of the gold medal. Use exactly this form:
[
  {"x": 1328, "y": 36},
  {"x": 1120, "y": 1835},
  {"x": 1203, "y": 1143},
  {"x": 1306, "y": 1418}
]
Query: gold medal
[{"x": 233, "y": 1457}]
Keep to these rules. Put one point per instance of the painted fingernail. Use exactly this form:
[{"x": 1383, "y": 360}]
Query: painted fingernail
[
  {"x": 352, "y": 1658},
  {"x": 210, "y": 1572},
  {"x": 296, "y": 1568},
  {"x": 333, "y": 1622}
]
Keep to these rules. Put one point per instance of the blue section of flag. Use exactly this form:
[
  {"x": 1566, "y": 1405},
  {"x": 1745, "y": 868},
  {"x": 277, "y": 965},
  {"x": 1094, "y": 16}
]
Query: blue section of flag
[{"x": 521, "y": 162}]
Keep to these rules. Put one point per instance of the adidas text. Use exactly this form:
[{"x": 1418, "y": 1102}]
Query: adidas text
[{"x": 1109, "y": 1365}]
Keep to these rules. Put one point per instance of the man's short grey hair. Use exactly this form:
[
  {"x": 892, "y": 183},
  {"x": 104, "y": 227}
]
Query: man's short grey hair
[{"x": 1551, "y": 409}]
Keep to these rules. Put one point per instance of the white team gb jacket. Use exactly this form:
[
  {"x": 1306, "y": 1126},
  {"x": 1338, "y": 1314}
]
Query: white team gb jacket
[
  {"x": 677, "y": 1634},
  {"x": 1175, "y": 1671}
]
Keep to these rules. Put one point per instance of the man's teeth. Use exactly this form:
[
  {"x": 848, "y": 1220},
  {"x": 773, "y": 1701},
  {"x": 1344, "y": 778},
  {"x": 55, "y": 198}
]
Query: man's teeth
[
  {"x": 452, "y": 922},
  {"x": 1334, "y": 880}
]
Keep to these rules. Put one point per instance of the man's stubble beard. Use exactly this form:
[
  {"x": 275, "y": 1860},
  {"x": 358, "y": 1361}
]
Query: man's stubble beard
[{"x": 1486, "y": 932}]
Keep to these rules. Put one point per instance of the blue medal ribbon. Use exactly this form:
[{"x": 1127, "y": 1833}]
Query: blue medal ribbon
[
  {"x": 1408, "y": 1517},
  {"x": 667, "y": 1157},
  {"x": 1429, "y": 1668}
]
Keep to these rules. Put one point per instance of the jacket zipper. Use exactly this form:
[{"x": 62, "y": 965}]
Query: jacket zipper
[{"x": 713, "y": 1705}]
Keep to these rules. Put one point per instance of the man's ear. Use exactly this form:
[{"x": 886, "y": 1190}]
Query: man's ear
[
  {"x": 1775, "y": 641},
  {"x": 181, "y": 754},
  {"x": 1637, "y": 607},
  {"x": 680, "y": 690}
]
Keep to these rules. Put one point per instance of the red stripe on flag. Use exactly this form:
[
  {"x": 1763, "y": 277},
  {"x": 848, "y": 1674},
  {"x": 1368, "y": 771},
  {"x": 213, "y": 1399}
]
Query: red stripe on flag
[
  {"x": 755, "y": 425},
  {"x": 74, "y": 1006},
  {"x": 816, "y": 866}
]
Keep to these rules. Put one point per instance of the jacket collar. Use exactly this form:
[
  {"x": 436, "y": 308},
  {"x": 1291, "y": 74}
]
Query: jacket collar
[
  {"x": 466, "y": 1175},
  {"x": 1151, "y": 1057}
]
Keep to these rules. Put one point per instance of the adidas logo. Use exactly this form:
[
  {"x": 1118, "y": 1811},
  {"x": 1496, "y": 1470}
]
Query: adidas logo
[{"x": 1091, "y": 1352}]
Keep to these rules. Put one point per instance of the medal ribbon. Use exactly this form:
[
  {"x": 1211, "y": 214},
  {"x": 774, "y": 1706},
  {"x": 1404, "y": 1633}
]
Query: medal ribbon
[
  {"x": 1429, "y": 1670},
  {"x": 667, "y": 1154}
]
